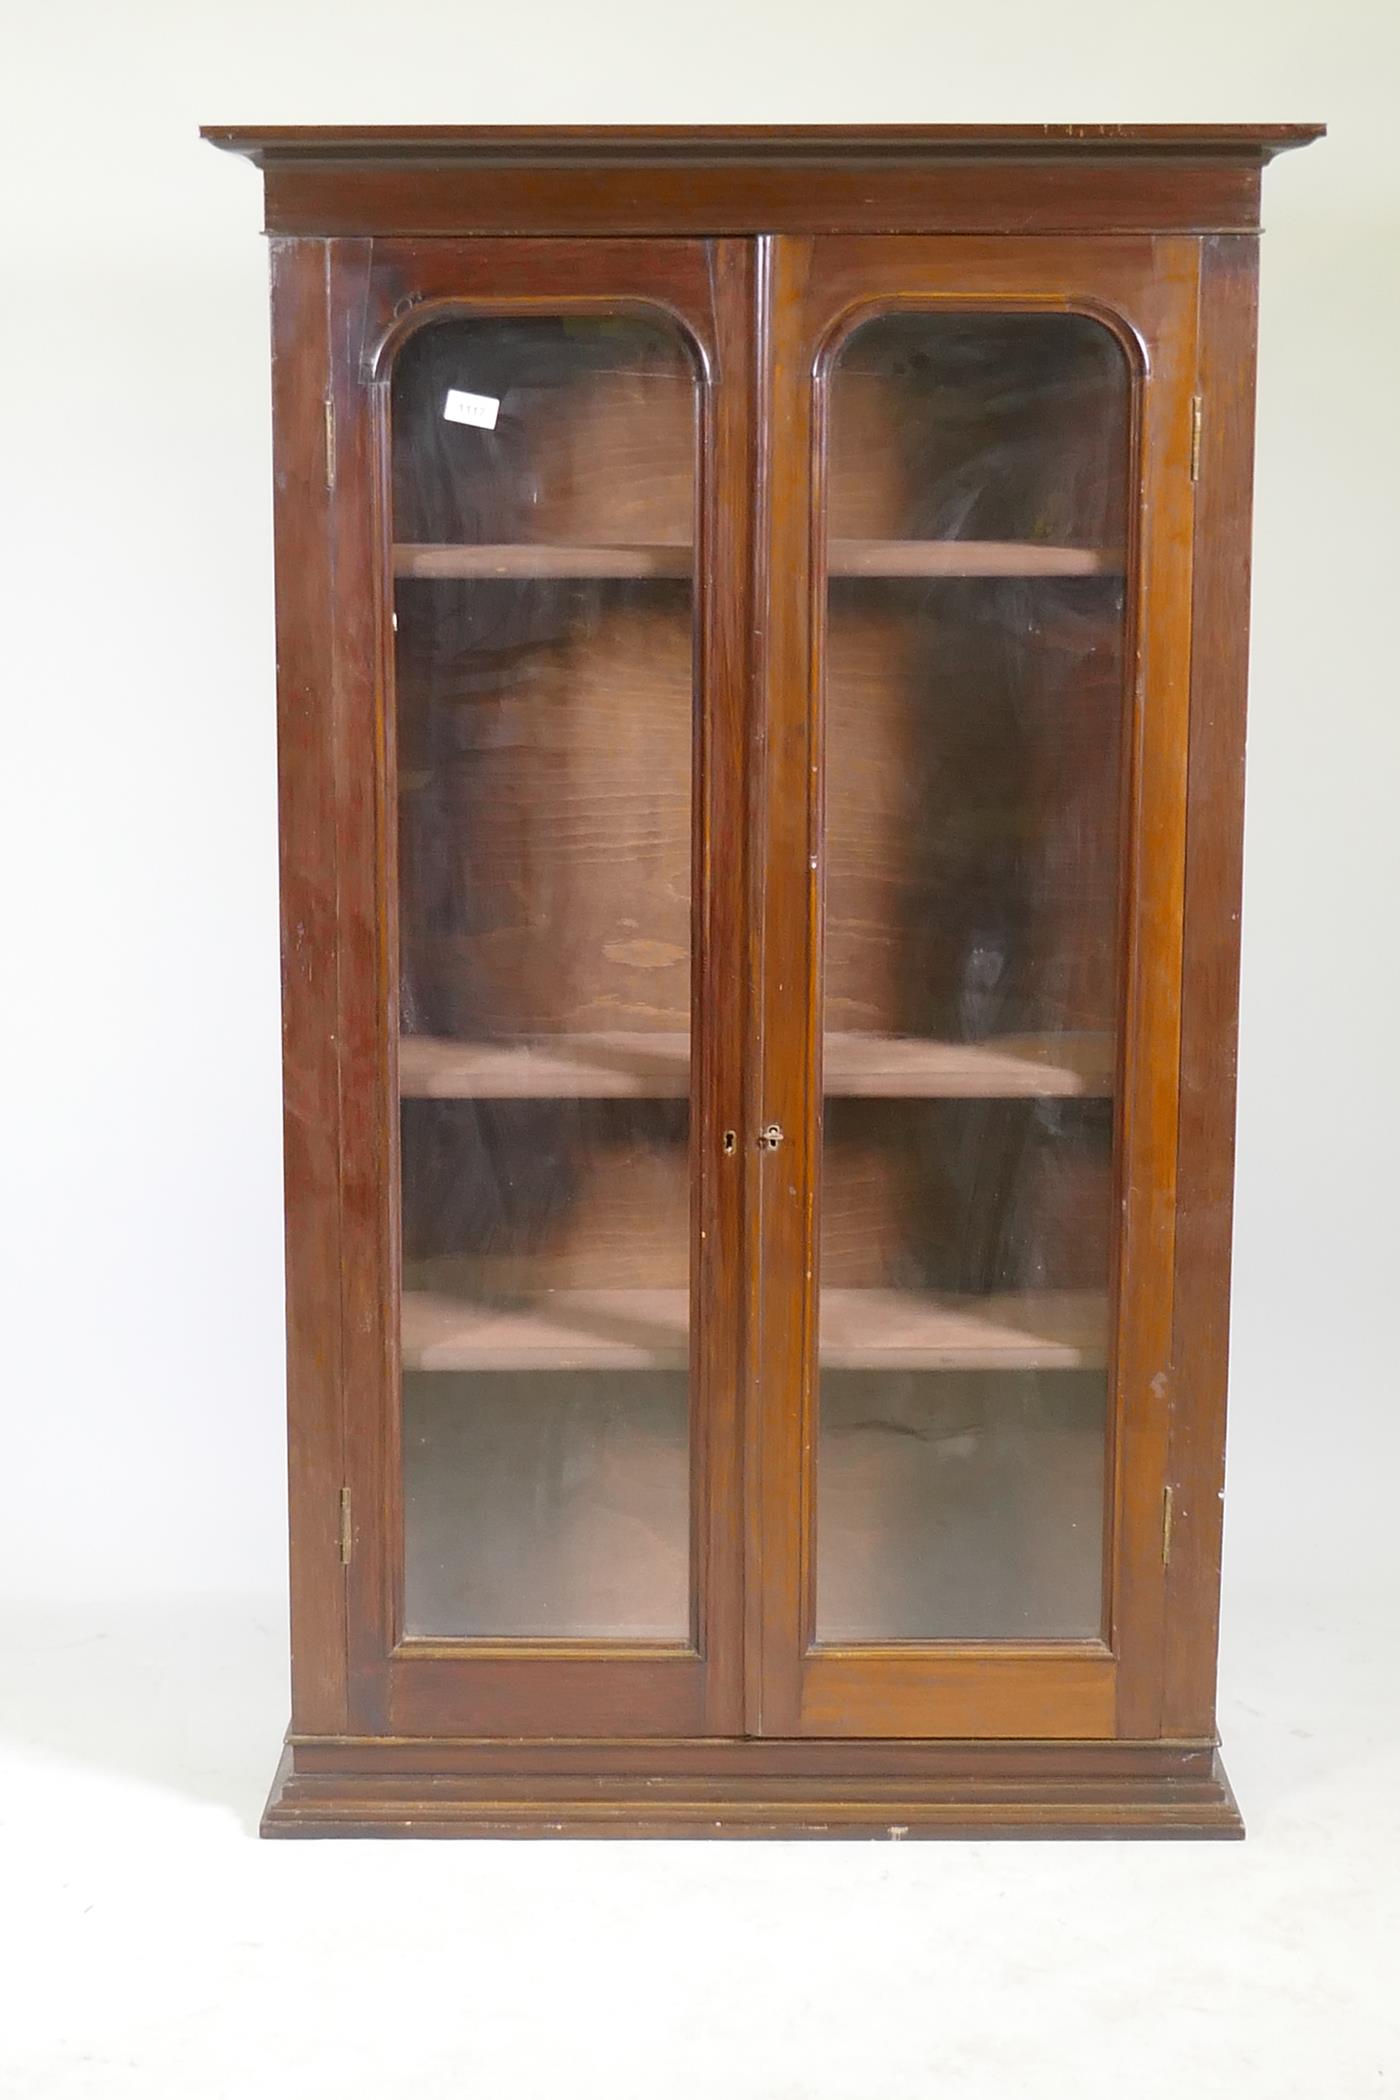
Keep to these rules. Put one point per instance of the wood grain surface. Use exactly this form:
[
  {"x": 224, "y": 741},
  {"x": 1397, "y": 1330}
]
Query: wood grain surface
[{"x": 629, "y": 799}]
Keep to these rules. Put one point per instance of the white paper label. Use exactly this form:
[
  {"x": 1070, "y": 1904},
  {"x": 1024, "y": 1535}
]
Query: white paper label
[{"x": 480, "y": 410}]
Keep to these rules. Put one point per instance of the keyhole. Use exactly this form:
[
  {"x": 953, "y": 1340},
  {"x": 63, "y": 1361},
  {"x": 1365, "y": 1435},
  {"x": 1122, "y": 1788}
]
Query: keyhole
[{"x": 728, "y": 1143}]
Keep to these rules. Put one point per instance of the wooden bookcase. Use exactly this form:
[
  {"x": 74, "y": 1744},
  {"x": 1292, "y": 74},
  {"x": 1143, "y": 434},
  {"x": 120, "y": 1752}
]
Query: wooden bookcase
[{"x": 761, "y": 667}]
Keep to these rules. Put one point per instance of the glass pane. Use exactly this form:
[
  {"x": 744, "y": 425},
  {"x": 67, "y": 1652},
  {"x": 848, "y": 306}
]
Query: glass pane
[
  {"x": 977, "y": 475},
  {"x": 544, "y": 491}
]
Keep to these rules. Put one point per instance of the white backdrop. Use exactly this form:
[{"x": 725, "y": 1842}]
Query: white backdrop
[
  {"x": 143, "y": 1360},
  {"x": 155, "y": 1950}
]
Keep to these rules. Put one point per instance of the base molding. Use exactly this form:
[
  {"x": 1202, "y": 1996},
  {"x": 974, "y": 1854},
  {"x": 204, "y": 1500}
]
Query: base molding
[{"x": 361, "y": 1787}]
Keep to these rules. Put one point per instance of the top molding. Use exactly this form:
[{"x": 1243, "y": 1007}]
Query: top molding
[
  {"x": 264, "y": 143},
  {"x": 328, "y": 180}
]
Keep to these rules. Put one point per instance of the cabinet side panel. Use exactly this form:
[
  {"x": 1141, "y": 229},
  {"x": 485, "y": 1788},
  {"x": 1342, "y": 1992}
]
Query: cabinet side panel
[
  {"x": 1219, "y": 666},
  {"x": 309, "y": 972},
  {"x": 358, "y": 761},
  {"x": 1157, "y": 799}
]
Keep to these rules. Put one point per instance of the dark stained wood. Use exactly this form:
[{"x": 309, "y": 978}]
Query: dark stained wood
[
  {"x": 757, "y": 1484},
  {"x": 591, "y": 144},
  {"x": 1210, "y": 979},
  {"x": 1148, "y": 290},
  {"x": 977, "y": 195},
  {"x": 758, "y": 247},
  {"x": 871, "y": 1760},
  {"x": 960, "y": 1689},
  {"x": 786, "y": 923},
  {"x": 1156, "y": 791},
  {"x": 736, "y": 1789},
  {"x": 419, "y": 280},
  {"x": 310, "y": 947},
  {"x": 720, "y": 879},
  {"x": 361, "y": 741},
  {"x": 533, "y": 1689},
  {"x": 526, "y": 1688},
  {"x": 716, "y": 180}
]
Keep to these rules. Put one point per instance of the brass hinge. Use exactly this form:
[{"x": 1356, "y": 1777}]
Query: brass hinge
[
  {"x": 1168, "y": 1515},
  {"x": 347, "y": 1536},
  {"x": 330, "y": 442},
  {"x": 1196, "y": 413}
]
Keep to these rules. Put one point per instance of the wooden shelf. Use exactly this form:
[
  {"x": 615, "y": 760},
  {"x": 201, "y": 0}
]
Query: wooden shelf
[
  {"x": 847, "y": 558},
  {"x": 860, "y": 1330},
  {"x": 1014, "y": 1331},
  {"x": 897, "y": 1067},
  {"x": 525, "y": 560},
  {"x": 657, "y": 1067},
  {"x": 613, "y": 1330},
  {"x": 968, "y": 558},
  {"x": 589, "y": 1067}
]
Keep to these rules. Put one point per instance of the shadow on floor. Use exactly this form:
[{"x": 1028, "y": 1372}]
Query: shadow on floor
[{"x": 187, "y": 1694}]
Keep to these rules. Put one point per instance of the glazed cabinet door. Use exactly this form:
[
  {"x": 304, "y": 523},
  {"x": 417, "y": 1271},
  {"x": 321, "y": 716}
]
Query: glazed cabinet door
[
  {"x": 977, "y": 685},
  {"x": 534, "y": 726}
]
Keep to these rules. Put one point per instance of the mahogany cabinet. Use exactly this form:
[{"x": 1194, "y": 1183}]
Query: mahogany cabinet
[{"x": 761, "y": 673}]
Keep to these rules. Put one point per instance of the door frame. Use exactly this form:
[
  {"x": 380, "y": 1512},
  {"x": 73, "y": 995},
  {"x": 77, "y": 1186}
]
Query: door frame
[
  {"x": 1146, "y": 290},
  {"x": 341, "y": 308},
  {"x": 759, "y": 309}
]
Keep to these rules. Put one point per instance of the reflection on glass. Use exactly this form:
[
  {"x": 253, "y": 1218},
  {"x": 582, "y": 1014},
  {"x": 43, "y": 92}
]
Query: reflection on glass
[
  {"x": 544, "y": 730},
  {"x": 607, "y": 1464},
  {"x": 977, "y": 470},
  {"x": 960, "y": 1504}
]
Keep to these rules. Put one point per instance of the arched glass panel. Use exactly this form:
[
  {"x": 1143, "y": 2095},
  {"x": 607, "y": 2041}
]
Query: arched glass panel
[
  {"x": 543, "y": 520},
  {"x": 977, "y": 470}
]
